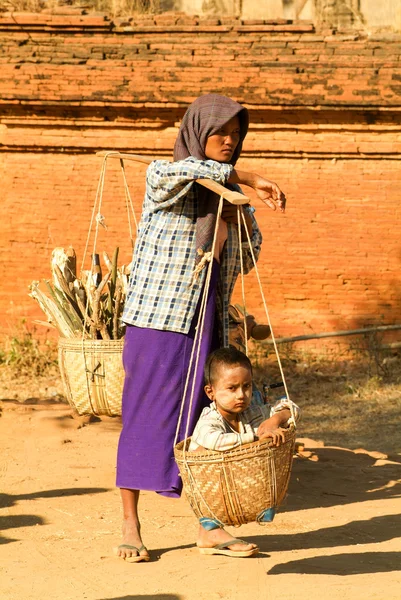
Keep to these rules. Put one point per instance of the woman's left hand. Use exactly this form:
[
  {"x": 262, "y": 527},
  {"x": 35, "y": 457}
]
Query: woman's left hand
[
  {"x": 270, "y": 193},
  {"x": 267, "y": 191}
]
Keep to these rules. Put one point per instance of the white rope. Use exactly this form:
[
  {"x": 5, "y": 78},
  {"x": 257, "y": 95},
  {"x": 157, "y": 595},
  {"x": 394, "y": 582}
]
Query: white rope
[
  {"x": 206, "y": 257},
  {"x": 99, "y": 219},
  {"x": 94, "y": 217},
  {"x": 269, "y": 322},
  {"x": 240, "y": 213},
  {"x": 196, "y": 350},
  {"x": 98, "y": 198},
  {"x": 128, "y": 202},
  {"x": 198, "y": 336},
  {"x": 96, "y": 214}
]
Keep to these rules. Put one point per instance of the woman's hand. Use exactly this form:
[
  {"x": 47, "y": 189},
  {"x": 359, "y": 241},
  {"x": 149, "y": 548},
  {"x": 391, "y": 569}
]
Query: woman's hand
[
  {"x": 270, "y": 194},
  {"x": 267, "y": 191}
]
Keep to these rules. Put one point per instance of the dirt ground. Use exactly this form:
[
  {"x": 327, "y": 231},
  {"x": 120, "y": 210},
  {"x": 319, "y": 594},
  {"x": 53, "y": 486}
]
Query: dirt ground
[{"x": 337, "y": 536}]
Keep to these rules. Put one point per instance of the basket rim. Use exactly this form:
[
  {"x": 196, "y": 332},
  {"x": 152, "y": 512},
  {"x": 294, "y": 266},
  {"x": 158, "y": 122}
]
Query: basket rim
[
  {"x": 74, "y": 342},
  {"x": 242, "y": 451}
]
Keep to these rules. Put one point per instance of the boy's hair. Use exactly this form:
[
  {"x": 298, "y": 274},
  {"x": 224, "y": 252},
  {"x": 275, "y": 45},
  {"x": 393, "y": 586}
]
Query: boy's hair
[{"x": 227, "y": 357}]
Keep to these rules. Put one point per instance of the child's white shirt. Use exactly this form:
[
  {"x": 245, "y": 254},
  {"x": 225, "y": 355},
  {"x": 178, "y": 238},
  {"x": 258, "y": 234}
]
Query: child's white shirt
[{"x": 213, "y": 432}]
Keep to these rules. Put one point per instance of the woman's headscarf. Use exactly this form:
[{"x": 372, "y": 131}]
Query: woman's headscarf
[{"x": 205, "y": 116}]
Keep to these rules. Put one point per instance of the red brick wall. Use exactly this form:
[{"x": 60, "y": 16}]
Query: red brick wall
[{"x": 325, "y": 125}]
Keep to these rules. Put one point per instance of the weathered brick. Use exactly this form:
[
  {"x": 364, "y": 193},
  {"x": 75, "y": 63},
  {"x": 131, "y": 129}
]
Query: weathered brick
[{"x": 331, "y": 259}]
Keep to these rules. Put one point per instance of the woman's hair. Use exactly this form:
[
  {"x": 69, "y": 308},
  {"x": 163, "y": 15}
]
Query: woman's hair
[
  {"x": 228, "y": 357},
  {"x": 204, "y": 117}
]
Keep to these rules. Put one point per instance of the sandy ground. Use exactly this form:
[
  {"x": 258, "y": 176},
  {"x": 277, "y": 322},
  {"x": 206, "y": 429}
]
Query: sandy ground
[{"x": 337, "y": 537}]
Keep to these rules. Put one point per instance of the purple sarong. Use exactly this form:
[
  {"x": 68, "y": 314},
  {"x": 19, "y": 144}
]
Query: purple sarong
[{"x": 156, "y": 365}]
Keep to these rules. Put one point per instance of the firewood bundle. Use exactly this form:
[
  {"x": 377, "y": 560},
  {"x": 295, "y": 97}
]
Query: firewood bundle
[{"x": 89, "y": 307}]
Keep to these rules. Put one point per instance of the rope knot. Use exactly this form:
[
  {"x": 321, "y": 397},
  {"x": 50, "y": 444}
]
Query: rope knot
[
  {"x": 206, "y": 257},
  {"x": 101, "y": 220}
]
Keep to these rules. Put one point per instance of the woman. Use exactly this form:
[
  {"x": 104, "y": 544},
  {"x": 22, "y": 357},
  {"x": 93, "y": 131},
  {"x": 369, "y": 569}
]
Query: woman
[{"x": 174, "y": 239}]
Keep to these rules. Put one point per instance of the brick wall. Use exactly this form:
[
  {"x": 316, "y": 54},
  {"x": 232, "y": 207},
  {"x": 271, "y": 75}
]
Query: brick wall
[{"x": 325, "y": 113}]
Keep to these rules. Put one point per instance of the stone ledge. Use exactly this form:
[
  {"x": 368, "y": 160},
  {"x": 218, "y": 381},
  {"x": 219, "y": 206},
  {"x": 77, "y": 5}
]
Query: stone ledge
[{"x": 78, "y": 18}]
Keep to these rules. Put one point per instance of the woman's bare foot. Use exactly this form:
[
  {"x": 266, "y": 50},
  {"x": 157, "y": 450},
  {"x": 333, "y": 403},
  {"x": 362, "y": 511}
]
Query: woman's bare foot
[
  {"x": 131, "y": 549},
  {"x": 209, "y": 539},
  {"x": 132, "y": 545}
]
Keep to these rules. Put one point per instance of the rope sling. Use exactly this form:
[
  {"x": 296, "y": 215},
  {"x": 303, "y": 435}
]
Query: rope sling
[
  {"x": 92, "y": 369},
  {"x": 234, "y": 486}
]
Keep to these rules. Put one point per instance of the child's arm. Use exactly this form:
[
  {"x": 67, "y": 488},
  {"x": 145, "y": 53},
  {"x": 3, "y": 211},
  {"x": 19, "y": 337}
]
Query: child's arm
[
  {"x": 280, "y": 416},
  {"x": 212, "y": 435},
  {"x": 272, "y": 427}
]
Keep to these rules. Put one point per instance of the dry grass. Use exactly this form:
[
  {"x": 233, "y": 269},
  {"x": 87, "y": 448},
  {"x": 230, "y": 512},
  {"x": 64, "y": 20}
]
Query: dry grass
[
  {"x": 352, "y": 403},
  {"x": 28, "y": 366},
  {"x": 23, "y": 352}
]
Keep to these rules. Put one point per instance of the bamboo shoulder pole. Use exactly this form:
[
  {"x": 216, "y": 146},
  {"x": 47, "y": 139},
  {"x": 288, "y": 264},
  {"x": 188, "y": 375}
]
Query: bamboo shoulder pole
[{"x": 232, "y": 197}]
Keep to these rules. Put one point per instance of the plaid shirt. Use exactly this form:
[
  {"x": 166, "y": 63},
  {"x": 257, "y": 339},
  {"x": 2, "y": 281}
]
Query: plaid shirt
[
  {"x": 213, "y": 432},
  {"x": 161, "y": 295}
]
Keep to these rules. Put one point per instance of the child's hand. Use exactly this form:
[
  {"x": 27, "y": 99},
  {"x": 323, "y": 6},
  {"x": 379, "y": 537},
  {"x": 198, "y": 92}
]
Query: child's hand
[
  {"x": 277, "y": 435},
  {"x": 270, "y": 428}
]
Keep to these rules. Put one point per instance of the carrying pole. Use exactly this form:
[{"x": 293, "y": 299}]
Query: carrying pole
[{"x": 232, "y": 197}]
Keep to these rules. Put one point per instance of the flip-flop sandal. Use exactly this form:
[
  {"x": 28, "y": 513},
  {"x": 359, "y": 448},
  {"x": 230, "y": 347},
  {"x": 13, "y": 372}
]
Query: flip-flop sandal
[
  {"x": 224, "y": 549},
  {"x": 134, "y": 559}
]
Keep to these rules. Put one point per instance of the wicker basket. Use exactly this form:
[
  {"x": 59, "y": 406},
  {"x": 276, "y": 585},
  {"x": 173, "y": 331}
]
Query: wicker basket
[
  {"x": 93, "y": 375},
  {"x": 236, "y": 485}
]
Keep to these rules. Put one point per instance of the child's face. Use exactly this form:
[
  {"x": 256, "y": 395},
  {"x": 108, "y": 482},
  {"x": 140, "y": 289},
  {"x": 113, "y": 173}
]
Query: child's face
[{"x": 231, "y": 390}]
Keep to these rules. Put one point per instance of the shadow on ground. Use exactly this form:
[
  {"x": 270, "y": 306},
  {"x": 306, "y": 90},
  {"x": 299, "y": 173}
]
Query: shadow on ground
[
  {"x": 15, "y": 521},
  {"x": 336, "y": 476},
  {"x": 342, "y": 564},
  {"x": 369, "y": 531}
]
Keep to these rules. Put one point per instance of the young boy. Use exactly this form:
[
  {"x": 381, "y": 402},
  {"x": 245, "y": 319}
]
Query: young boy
[{"x": 231, "y": 419}]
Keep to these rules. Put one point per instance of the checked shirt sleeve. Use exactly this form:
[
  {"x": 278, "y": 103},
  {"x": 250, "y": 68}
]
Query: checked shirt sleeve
[
  {"x": 256, "y": 242},
  {"x": 168, "y": 183}
]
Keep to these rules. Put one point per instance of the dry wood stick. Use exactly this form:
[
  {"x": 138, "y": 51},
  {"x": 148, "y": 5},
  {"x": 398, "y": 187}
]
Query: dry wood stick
[
  {"x": 232, "y": 197},
  {"x": 68, "y": 296},
  {"x": 97, "y": 322},
  {"x": 87, "y": 320},
  {"x": 52, "y": 310},
  {"x": 112, "y": 285},
  {"x": 117, "y": 303},
  {"x": 103, "y": 331}
]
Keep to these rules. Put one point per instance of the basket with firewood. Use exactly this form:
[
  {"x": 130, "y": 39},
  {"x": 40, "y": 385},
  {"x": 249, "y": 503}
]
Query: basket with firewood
[
  {"x": 87, "y": 313},
  {"x": 86, "y": 309}
]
